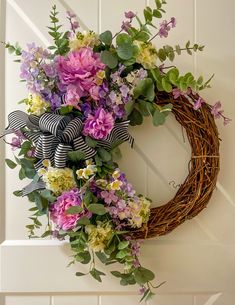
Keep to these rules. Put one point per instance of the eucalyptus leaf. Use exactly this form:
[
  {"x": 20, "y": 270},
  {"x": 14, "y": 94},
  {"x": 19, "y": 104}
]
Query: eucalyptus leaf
[
  {"x": 106, "y": 37},
  {"x": 135, "y": 118},
  {"x": 158, "y": 117},
  {"x": 109, "y": 58},
  {"x": 97, "y": 208},
  {"x": 143, "y": 275},
  {"x": 73, "y": 210},
  {"x": 10, "y": 163}
]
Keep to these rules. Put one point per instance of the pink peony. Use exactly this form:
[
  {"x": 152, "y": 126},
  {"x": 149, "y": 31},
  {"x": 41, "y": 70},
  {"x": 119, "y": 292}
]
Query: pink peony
[
  {"x": 99, "y": 125},
  {"x": 63, "y": 203},
  {"x": 79, "y": 68}
]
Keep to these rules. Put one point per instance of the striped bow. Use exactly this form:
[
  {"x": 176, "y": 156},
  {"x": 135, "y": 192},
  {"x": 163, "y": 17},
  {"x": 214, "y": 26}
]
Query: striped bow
[{"x": 55, "y": 135}]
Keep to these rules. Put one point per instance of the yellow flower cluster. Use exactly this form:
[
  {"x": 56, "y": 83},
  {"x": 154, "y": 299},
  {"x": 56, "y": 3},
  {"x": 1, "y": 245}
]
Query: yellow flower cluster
[
  {"x": 89, "y": 170},
  {"x": 85, "y": 39},
  {"x": 147, "y": 55},
  {"x": 98, "y": 236},
  {"x": 139, "y": 212},
  {"x": 57, "y": 180},
  {"x": 36, "y": 105}
]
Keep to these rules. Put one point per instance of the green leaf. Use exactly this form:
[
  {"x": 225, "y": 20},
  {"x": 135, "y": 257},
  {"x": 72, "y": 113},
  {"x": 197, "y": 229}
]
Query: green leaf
[
  {"x": 143, "y": 107},
  {"x": 97, "y": 208},
  {"x": 142, "y": 36},
  {"x": 66, "y": 109},
  {"x": 80, "y": 274},
  {"x": 143, "y": 275},
  {"x": 18, "y": 193},
  {"x": 83, "y": 221},
  {"x": 145, "y": 87},
  {"x": 121, "y": 254},
  {"x": 123, "y": 39},
  {"x": 123, "y": 244},
  {"x": 178, "y": 49},
  {"x": 48, "y": 195},
  {"x": 104, "y": 154},
  {"x": 129, "y": 107},
  {"x": 96, "y": 274},
  {"x": 158, "y": 4},
  {"x": 157, "y": 13},
  {"x": 116, "y": 273},
  {"x": 158, "y": 118},
  {"x": 135, "y": 118},
  {"x": 76, "y": 155},
  {"x": 74, "y": 210},
  {"x": 148, "y": 15},
  {"x": 22, "y": 174},
  {"x": 45, "y": 234},
  {"x": 83, "y": 257},
  {"x": 166, "y": 85},
  {"x": 109, "y": 58},
  {"x": 10, "y": 163},
  {"x": 125, "y": 51},
  {"x": 161, "y": 54},
  {"x": 102, "y": 257},
  {"x": 106, "y": 37},
  {"x": 30, "y": 172},
  {"x": 98, "y": 161},
  {"x": 91, "y": 142}
]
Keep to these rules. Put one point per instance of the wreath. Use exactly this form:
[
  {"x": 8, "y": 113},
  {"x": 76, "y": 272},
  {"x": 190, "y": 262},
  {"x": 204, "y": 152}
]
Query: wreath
[{"x": 84, "y": 91}]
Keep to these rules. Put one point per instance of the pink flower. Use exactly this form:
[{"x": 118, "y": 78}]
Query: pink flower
[
  {"x": 58, "y": 210},
  {"x": 72, "y": 96},
  {"x": 216, "y": 110},
  {"x": 94, "y": 92},
  {"x": 176, "y": 93},
  {"x": 227, "y": 121},
  {"x": 79, "y": 68},
  {"x": 99, "y": 125},
  {"x": 130, "y": 15},
  {"x": 17, "y": 140},
  {"x": 126, "y": 25},
  {"x": 173, "y": 22},
  {"x": 198, "y": 103}
]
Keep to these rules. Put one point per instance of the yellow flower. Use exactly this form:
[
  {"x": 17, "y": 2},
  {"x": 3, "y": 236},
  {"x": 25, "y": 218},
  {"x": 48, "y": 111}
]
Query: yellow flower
[
  {"x": 42, "y": 171},
  {"x": 116, "y": 174},
  {"x": 86, "y": 172},
  {"x": 85, "y": 39},
  {"x": 100, "y": 75},
  {"x": 115, "y": 185},
  {"x": 101, "y": 183},
  {"x": 147, "y": 55},
  {"x": 139, "y": 211},
  {"x": 46, "y": 163},
  {"x": 99, "y": 236},
  {"x": 36, "y": 105},
  {"x": 58, "y": 180}
]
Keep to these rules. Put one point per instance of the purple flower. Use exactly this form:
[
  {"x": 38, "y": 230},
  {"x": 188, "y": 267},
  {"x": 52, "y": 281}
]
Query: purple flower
[
  {"x": 108, "y": 196},
  {"x": 173, "y": 22},
  {"x": 55, "y": 101},
  {"x": 164, "y": 29},
  {"x": 198, "y": 103},
  {"x": 142, "y": 73},
  {"x": 124, "y": 90},
  {"x": 17, "y": 140},
  {"x": 142, "y": 290},
  {"x": 58, "y": 210},
  {"x": 216, "y": 110},
  {"x": 227, "y": 121},
  {"x": 99, "y": 125},
  {"x": 71, "y": 14},
  {"x": 130, "y": 15},
  {"x": 74, "y": 26},
  {"x": 50, "y": 70},
  {"x": 126, "y": 25}
]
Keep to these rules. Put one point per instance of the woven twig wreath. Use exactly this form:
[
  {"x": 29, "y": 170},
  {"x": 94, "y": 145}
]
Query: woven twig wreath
[{"x": 195, "y": 192}]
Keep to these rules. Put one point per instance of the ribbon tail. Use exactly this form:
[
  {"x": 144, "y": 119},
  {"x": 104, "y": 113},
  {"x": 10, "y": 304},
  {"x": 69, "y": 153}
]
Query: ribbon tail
[{"x": 33, "y": 186}]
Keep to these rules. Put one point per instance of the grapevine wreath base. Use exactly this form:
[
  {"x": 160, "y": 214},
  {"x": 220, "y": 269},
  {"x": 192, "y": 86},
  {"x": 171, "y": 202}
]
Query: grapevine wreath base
[{"x": 195, "y": 192}]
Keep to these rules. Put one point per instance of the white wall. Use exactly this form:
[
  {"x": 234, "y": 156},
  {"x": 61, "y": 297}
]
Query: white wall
[{"x": 198, "y": 259}]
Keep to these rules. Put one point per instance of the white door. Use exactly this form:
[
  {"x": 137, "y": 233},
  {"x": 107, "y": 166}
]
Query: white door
[{"x": 197, "y": 260}]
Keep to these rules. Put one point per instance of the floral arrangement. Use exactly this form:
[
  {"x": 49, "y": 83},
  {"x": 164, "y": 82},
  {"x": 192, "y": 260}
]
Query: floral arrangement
[{"x": 84, "y": 91}]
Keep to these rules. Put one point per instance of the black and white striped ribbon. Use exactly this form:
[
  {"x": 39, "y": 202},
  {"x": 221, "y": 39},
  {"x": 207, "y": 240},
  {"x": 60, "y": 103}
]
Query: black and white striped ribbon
[{"x": 55, "y": 135}]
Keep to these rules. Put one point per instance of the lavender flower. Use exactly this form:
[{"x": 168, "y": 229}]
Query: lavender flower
[
  {"x": 216, "y": 110},
  {"x": 198, "y": 103},
  {"x": 130, "y": 15}
]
